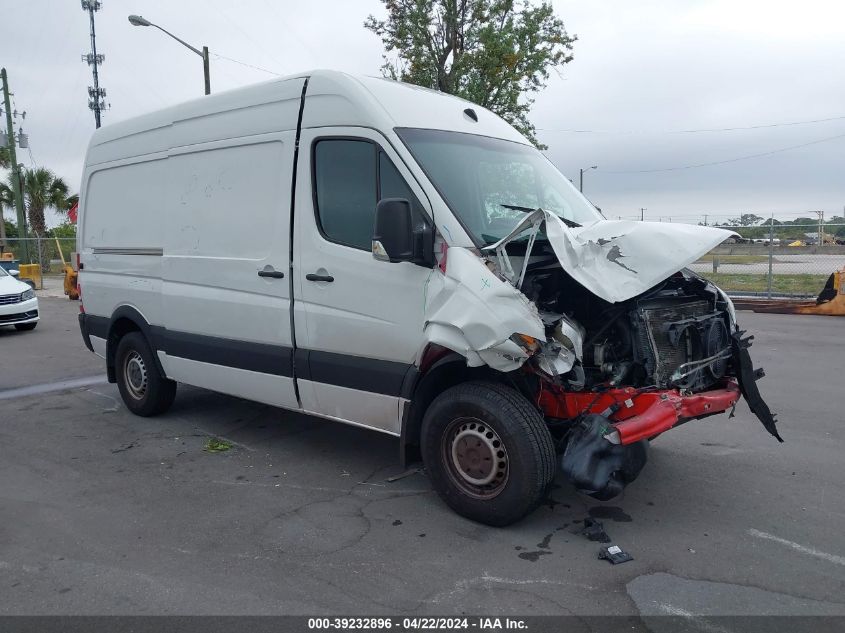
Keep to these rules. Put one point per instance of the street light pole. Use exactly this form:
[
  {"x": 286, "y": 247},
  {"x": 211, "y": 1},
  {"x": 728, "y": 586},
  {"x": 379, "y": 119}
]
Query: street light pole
[
  {"x": 206, "y": 71},
  {"x": 137, "y": 20},
  {"x": 581, "y": 179}
]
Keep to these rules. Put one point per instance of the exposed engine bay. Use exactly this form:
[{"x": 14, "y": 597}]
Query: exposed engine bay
[
  {"x": 673, "y": 336},
  {"x": 610, "y": 361}
]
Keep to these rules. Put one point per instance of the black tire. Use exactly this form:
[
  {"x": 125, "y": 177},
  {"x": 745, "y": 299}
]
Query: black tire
[
  {"x": 460, "y": 431},
  {"x": 144, "y": 390},
  {"x": 25, "y": 327}
]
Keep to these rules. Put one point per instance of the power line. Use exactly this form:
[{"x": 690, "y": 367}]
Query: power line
[
  {"x": 722, "y": 162},
  {"x": 237, "y": 61},
  {"x": 719, "y": 129}
]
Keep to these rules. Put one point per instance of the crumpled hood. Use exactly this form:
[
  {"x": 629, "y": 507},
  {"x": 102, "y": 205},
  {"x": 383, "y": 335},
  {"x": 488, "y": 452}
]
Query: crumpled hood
[{"x": 619, "y": 259}]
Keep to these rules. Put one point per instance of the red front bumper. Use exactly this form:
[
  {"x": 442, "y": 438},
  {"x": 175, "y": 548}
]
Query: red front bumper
[{"x": 638, "y": 415}]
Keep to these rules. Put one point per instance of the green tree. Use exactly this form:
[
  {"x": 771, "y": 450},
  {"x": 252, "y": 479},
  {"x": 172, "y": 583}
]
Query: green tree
[
  {"x": 43, "y": 190},
  {"x": 746, "y": 219},
  {"x": 495, "y": 53},
  {"x": 7, "y": 199},
  {"x": 64, "y": 231},
  {"x": 11, "y": 229}
]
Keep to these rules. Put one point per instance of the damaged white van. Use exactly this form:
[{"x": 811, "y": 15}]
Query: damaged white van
[{"x": 394, "y": 258}]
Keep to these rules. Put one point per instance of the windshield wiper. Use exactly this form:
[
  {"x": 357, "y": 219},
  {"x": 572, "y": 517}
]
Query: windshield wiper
[{"x": 516, "y": 207}]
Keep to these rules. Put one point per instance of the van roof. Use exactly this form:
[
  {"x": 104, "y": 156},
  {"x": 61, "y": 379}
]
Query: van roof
[{"x": 333, "y": 98}]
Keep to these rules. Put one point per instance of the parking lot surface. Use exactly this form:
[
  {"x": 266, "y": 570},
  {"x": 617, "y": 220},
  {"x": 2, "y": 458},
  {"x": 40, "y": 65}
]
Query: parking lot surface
[{"x": 102, "y": 512}]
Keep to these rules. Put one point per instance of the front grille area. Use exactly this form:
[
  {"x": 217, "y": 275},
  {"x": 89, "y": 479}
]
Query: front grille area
[
  {"x": 661, "y": 354},
  {"x": 20, "y": 316},
  {"x": 9, "y": 299}
]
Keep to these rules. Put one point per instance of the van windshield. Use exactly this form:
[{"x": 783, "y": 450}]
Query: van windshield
[{"x": 491, "y": 183}]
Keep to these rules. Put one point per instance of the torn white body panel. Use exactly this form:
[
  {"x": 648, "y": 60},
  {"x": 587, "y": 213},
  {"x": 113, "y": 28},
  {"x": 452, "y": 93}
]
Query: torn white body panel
[
  {"x": 619, "y": 259},
  {"x": 470, "y": 310}
]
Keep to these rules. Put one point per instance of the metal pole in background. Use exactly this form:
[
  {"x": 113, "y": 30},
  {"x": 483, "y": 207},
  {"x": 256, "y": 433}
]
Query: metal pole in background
[
  {"x": 206, "y": 71},
  {"x": 771, "y": 254},
  {"x": 16, "y": 175},
  {"x": 139, "y": 20}
]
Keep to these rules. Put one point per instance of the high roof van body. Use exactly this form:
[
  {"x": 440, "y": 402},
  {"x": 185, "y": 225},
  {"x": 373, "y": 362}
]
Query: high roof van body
[{"x": 402, "y": 260}]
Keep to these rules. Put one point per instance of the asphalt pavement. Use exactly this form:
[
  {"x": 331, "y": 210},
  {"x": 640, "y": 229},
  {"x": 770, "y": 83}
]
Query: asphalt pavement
[{"x": 102, "y": 512}]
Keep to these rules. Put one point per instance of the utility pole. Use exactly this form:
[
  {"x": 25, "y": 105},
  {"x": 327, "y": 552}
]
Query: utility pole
[
  {"x": 821, "y": 227},
  {"x": 16, "y": 170},
  {"x": 96, "y": 95},
  {"x": 642, "y": 214},
  {"x": 771, "y": 255},
  {"x": 705, "y": 219}
]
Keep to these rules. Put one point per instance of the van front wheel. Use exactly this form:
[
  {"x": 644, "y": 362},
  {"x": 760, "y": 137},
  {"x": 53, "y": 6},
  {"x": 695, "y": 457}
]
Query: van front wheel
[
  {"x": 488, "y": 452},
  {"x": 144, "y": 390}
]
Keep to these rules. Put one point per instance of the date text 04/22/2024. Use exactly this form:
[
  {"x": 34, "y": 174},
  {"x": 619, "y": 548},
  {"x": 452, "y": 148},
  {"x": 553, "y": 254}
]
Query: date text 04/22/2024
[{"x": 417, "y": 624}]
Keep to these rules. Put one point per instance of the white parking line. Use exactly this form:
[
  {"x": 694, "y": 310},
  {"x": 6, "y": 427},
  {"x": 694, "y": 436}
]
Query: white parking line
[
  {"x": 811, "y": 551},
  {"x": 62, "y": 385}
]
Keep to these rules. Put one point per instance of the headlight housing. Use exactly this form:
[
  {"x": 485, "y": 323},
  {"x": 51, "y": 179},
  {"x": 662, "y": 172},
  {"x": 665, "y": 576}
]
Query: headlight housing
[{"x": 26, "y": 295}]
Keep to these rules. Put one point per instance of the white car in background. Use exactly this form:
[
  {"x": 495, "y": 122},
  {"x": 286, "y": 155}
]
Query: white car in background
[{"x": 18, "y": 304}]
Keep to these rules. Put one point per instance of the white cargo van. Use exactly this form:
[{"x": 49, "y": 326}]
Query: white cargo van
[{"x": 405, "y": 261}]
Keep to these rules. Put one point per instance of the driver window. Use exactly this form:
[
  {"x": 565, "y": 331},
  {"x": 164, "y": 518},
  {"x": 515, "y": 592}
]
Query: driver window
[{"x": 350, "y": 177}]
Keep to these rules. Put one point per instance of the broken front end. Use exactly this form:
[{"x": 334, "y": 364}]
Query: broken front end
[
  {"x": 647, "y": 365},
  {"x": 612, "y": 345}
]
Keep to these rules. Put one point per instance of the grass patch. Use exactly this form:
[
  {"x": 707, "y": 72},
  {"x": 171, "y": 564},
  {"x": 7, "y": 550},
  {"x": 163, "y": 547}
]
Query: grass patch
[
  {"x": 216, "y": 445},
  {"x": 735, "y": 259},
  {"x": 802, "y": 284}
]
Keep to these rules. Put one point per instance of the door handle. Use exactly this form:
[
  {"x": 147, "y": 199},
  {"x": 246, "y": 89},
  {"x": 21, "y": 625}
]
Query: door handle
[
  {"x": 275, "y": 274},
  {"x": 316, "y": 277}
]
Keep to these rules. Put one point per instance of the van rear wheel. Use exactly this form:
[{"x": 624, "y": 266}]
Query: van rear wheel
[
  {"x": 488, "y": 452},
  {"x": 144, "y": 390}
]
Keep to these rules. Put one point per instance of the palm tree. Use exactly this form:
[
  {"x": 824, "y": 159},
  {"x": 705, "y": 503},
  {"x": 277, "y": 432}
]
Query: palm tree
[
  {"x": 7, "y": 199},
  {"x": 42, "y": 189}
]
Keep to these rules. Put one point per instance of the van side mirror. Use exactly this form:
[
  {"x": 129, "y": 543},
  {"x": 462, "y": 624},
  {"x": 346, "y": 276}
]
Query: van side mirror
[
  {"x": 401, "y": 235},
  {"x": 14, "y": 272}
]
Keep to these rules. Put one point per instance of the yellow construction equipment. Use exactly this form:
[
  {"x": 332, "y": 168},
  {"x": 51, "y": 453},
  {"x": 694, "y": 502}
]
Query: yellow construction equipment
[
  {"x": 831, "y": 301},
  {"x": 30, "y": 272},
  {"x": 71, "y": 275}
]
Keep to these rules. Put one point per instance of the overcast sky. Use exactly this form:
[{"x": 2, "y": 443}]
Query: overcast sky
[{"x": 643, "y": 73}]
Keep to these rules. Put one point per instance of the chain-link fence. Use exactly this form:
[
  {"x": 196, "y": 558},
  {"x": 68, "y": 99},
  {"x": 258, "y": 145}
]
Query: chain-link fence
[
  {"x": 781, "y": 260},
  {"x": 43, "y": 251}
]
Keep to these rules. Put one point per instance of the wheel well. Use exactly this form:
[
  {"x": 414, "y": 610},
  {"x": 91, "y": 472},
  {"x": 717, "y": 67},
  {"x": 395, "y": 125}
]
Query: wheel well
[
  {"x": 449, "y": 370},
  {"x": 118, "y": 329}
]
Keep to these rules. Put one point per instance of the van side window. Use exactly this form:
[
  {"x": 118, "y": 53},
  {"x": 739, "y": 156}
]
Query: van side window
[
  {"x": 350, "y": 177},
  {"x": 345, "y": 187}
]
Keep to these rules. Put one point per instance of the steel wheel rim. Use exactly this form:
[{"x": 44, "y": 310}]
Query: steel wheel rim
[
  {"x": 475, "y": 457},
  {"x": 135, "y": 375}
]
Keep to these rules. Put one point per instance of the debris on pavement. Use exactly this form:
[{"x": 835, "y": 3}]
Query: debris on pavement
[
  {"x": 216, "y": 445},
  {"x": 594, "y": 531},
  {"x": 615, "y": 554},
  {"x": 407, "y": 473}
]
